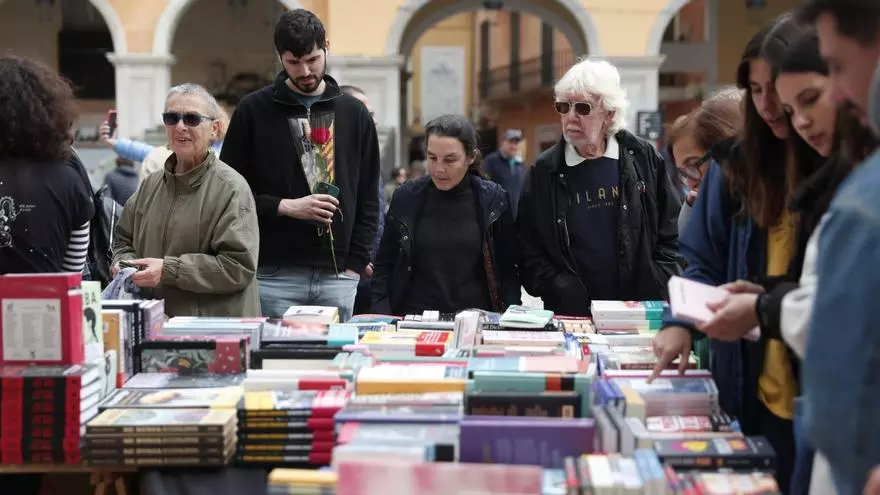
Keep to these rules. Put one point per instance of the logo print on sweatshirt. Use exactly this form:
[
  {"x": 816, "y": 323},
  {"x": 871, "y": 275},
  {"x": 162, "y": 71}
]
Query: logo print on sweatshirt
[{"x": 8, "y": 213}]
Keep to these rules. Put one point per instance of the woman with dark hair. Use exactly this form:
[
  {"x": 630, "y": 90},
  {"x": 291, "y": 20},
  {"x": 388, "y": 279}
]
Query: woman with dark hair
[
  {"x": 824, "y": 145},
  {"x": 740, "y": 229},
  {"x": 449, "y": 242},
  {"x": 45, "y": 204}
]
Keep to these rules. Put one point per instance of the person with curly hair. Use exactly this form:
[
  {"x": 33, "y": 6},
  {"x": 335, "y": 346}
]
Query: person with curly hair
[{"x": 45, "y": 204}]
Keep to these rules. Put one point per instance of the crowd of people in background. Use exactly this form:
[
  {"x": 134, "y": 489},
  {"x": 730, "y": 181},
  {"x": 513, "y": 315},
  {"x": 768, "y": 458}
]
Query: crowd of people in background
[{"x": 772, "y": 196}]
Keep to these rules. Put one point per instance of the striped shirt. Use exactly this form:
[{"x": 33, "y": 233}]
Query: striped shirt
[{"x": 77, "y": 249}]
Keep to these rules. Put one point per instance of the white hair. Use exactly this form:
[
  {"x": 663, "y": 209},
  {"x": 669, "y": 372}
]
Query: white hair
[
  {"x": 196, "y": 90},
  {"x": 599, "y": 78}
]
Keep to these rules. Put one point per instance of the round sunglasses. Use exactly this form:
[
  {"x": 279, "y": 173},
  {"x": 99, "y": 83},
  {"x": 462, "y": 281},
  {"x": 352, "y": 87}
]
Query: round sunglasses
[
  {"x": 190, "y": 119},
  {"x": 581, "y": 107}
]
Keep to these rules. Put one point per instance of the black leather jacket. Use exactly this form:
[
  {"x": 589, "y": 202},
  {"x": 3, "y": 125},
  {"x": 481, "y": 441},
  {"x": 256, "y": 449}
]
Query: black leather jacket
[{"x": 646, "y": 237}]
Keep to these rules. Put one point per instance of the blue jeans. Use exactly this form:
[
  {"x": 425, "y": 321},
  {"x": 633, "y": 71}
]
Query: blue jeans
[
  {"x": 283, "y": 286},
  {"x": 803, "y": 454}
]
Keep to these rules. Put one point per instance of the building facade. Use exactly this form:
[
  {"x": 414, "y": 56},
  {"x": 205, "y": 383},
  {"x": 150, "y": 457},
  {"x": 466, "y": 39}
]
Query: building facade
[{"x": 415, "y": 58}]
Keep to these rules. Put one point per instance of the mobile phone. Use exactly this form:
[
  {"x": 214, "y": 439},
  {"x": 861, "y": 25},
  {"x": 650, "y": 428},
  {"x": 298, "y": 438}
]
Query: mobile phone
[
  {"x": 128, "y": 264},
  {"x": 327, "y": 188},
  {"x": 112, "y": 121}
]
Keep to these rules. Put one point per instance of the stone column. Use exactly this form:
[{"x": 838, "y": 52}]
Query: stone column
[
  {"x": 639, "y": 76},
  {"x": 379, "y": 77},
  {"x": 142, "y": 82}
]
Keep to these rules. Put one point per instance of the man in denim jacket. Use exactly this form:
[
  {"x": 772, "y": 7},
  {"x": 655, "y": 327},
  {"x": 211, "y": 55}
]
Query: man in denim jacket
[{"x": 840, "y": 370}]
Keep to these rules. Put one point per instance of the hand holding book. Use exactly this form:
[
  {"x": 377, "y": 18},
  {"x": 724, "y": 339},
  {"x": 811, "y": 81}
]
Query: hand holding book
[{"x": 725, "y": 313}]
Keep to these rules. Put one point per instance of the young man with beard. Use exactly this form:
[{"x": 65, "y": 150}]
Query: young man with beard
[
  {"x": 598, "y": 215},
  {"x": 311, "y": 156},
  {"x": 839, "y": 370}
]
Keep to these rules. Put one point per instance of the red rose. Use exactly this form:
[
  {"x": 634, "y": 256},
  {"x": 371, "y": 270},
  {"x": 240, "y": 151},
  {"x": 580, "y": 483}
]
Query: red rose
[{"x": 320, "y": 135}]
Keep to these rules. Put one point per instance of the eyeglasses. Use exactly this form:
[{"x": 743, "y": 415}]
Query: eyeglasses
[
  {"x": 692, "y": 171},
  {"x": 581, "y": 108},
  {"x": 189, "y": 119}
]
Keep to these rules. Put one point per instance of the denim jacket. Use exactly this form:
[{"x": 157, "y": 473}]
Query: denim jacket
[
  {"x": 720, "y": 245},
  {"x": 841, "y": 371}
]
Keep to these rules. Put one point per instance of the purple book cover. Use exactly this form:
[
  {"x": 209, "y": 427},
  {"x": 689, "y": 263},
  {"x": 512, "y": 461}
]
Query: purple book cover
[{"x": 524, "y": 440}]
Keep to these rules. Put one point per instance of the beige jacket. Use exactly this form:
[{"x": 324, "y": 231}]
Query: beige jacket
[
  {"x": 154, "y": 161},
  {"x": 203, "y": 224}
]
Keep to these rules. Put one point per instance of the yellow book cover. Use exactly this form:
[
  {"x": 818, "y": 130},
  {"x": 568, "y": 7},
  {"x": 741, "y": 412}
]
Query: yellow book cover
[{"x": 411, "y": 379}]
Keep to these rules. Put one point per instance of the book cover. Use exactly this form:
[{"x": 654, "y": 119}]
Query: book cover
[
  {"x": 41, "y": 320},
  {"x": 183, "y": 398},
  {"x": 93, "y": 331},
  {"x": 161, "y": 421}
]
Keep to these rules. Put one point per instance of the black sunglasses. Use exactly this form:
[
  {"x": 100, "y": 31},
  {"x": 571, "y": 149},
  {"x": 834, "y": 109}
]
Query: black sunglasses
[
  {"x": 189, "y": 119},
  {"x": 580, "y": 108}
]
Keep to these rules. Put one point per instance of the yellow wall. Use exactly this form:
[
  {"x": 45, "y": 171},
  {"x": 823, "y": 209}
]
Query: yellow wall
[
  {"x": 738, "y": 28},
  {"x": 240, "y": 39},
  {"x": 454, "y": 31},
  {"x": 24, "y": 33}
]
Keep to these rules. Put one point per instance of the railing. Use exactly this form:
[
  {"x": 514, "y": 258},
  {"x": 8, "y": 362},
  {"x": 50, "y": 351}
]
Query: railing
[{"x": 527, "y": 75}]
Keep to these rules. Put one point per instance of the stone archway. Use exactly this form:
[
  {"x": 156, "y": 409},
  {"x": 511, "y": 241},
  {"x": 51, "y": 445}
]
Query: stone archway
[
  {"x": 171, "y": 16},
  {"x": 578, "y": 27},
  {"x": 113, "y": 22},
  {"x": 664, "y": 17}
]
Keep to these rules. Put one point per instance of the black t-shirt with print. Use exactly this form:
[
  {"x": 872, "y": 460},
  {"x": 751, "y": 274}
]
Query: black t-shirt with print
[
  {"x": 592, "y": 224},
  {"x": 40, "y": 204}
]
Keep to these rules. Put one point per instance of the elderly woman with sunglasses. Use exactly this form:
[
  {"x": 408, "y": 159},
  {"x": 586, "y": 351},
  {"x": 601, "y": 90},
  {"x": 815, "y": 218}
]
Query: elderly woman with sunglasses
[
  {"x": 701, "y": 136},
  {"x": 191, "y": 232}
]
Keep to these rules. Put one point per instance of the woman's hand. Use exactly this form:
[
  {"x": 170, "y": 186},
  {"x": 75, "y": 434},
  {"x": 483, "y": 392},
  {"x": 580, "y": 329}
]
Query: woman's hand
[
  {"x": 670, "y": 343},
  {"x": 743, "y": 287},
  {"x": 734, "y": 317}
]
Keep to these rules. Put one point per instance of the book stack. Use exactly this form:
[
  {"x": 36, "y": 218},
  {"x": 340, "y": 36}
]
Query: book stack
[
  {"x": 176, "y": 380},
  {"x": 44, "y": 409},
  {"x": 406, "y": 378},
  {"x": 407, "y": 343},
  {"x": 160, "y": 437},
  {"x": 645, "y": 472},
  {"x": 538, "y": 441},
  {"x": 194, "y": 354},
  {"x": 428, "y": 320},
  {"x": 193, "y": 326},
  {"x": 312, "y": 314},
  {"x": 288, "y": 428},
  {"x": 554, "y": 386},
  {"x": 523, "y": 318},
  {"x": 284, "y": 481},
  {"x": 290, "y": 345},
  {"x": 417, "y": 442},
  {"x": 626, "y": 317},
  {"x": 139, "y": 320},
  {"x": 389, "y": 410}
]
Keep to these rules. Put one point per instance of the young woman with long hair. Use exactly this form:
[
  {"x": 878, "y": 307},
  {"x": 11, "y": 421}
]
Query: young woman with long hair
[
  {"x": 824, "y": 145},
  {"x": 740, "y": 229}
]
